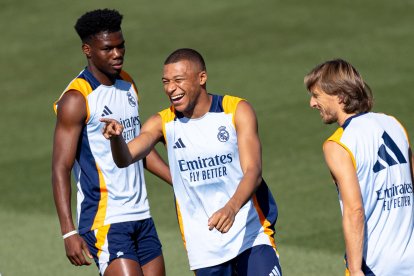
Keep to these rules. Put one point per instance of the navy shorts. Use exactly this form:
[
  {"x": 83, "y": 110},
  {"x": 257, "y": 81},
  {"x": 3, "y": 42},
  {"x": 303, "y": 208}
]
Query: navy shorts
[
  {"x": 135, "y": 240},
  {"x": 260, "y": 260}
]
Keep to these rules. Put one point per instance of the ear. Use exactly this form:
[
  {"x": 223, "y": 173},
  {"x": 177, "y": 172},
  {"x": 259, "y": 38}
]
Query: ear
[
  {"x": 86, "y": 49},
  {"x": 203, "y": 77}
]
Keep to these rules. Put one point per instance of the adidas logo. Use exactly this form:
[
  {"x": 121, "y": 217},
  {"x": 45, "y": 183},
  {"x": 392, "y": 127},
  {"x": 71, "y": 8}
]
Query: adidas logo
[
  {"x": 106, "y": 111},
  {"x": 274, "y": 272},
  {"x": 179, "y": 144},
  {"x": 388, "y": 154}
]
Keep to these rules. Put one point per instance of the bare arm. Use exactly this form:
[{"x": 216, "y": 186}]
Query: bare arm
[
  {"x": 157, "y": 166},
  {"x": 353, "y": 220},
  {"x": 125, "y": 154},
  {"x": 70, "y": 118},
  {"x": 251, "y": 164}
]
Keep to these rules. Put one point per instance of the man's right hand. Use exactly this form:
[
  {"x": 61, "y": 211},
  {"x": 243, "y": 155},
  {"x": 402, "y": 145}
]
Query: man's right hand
[
  {"x": 112, "y": 128},
  {"x": 75, "y": 246}
]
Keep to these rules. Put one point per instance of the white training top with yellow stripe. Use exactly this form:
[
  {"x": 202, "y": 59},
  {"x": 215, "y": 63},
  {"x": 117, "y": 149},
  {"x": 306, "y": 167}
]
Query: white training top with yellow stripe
[
  {"x": 379, "y": 148},
  {"x": 204, "y": 161},
  {"x": 107, "y": 194}
]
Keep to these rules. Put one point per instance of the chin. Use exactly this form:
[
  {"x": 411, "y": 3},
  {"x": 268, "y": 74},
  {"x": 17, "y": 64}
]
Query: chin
[
  {"x": 179, "y": 109},
  {"x": 328, "y": 121},
  {"x": 180, "y": 106},
  {"x": 182, "y": 110}
]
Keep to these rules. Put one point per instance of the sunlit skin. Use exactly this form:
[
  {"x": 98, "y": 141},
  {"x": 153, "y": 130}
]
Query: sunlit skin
[
  {"x": 342, "y": 169},
  {"x": 330, "y": 107},
  {"x": 105, "y": 54},
  {"x": 184, "y": 83}
]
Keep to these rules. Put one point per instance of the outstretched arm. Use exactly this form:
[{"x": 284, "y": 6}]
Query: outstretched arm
[
  {"x": 251, "y": 164},
  {"x": 70, "y": 119},
  {"x": 353, "y": 218},
  {"x": 125, "y": 154}
]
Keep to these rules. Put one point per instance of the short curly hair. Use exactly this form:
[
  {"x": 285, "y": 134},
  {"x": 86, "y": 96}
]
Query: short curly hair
[{"x": 97, "y": 21}]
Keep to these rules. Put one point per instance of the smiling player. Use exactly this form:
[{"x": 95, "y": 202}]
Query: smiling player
[
  {"x": 369, "y": 157},
  {"x": 225, "y": 210}
]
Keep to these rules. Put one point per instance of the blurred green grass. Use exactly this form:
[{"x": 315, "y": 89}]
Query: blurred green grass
[{"x": 259, "y": 50}]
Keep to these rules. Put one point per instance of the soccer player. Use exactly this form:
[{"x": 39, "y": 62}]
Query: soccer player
[
  {"x": 225, "y": 210},
  {"x": 114, "y": 221},
  {"x": 370, "y": 160}
]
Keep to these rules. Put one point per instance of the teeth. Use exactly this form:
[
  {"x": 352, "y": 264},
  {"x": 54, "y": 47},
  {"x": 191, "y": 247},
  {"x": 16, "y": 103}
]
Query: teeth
[{"x": 176, "y": 96}]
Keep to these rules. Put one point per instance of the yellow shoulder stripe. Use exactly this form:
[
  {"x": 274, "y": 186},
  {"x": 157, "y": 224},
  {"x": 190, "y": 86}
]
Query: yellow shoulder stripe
[
  {"x": 83, "y": 87},
  {"x": 167, "y": 115},
  {"x": 230, "y": 104},
  {"x": 336, "y": 137},
  {"x": 80, "y": 85}
]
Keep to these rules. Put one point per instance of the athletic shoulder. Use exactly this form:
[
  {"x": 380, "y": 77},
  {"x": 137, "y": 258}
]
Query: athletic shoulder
[
  {"x": 71, "y": 106},
  {"x": 229, "y": 100},
  {"x": 126, "y": 76},
  {"x": 167, "y": 114}
]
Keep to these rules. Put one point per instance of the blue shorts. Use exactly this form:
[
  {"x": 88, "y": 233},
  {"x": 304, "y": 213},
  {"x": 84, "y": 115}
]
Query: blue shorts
[
  {"x": 260, "y": 260},
  {"x": 135, "y": 240}
]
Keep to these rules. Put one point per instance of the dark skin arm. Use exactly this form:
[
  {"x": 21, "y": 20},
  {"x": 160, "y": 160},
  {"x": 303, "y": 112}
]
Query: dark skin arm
[
  {"x": 141, "y": 147},
  {"x": 251, "y": 164},
  {"x": 125, "y": 154},
  {"x": 71, "y": 116},
  {"x": 157, "y": 166}
]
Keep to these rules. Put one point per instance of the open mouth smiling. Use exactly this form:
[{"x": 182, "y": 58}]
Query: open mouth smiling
[{"x": 176, "y": 98}]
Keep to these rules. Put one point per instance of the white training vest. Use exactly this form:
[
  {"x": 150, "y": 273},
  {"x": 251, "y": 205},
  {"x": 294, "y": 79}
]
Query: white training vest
[
  {"x": 107, "y": 194},
  {"x": 379, "y": 148},
  {"x": 204, "y": 161}
]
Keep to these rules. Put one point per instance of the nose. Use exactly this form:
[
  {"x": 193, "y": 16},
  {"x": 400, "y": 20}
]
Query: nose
[
  {"x": 170, "y": 87},
  {"x": 118, "y": 52},
  {"x": 312, "y": 102}
]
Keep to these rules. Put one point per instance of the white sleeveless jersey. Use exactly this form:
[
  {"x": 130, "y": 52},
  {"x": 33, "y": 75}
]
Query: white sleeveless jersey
[
  {"x": 379, "y": 148},
  {"x": 107, "y": 194},
  {"x": 204, "y": 162}
]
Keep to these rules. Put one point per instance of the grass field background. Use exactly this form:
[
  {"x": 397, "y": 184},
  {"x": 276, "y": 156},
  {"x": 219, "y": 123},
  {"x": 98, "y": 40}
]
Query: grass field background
[{"x": 259, "y": 50}]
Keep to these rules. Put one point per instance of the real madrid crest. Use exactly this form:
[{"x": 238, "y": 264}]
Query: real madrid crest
[
  {"x": 131, "y": 100},
  {"x": 223, "y": 134}
]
